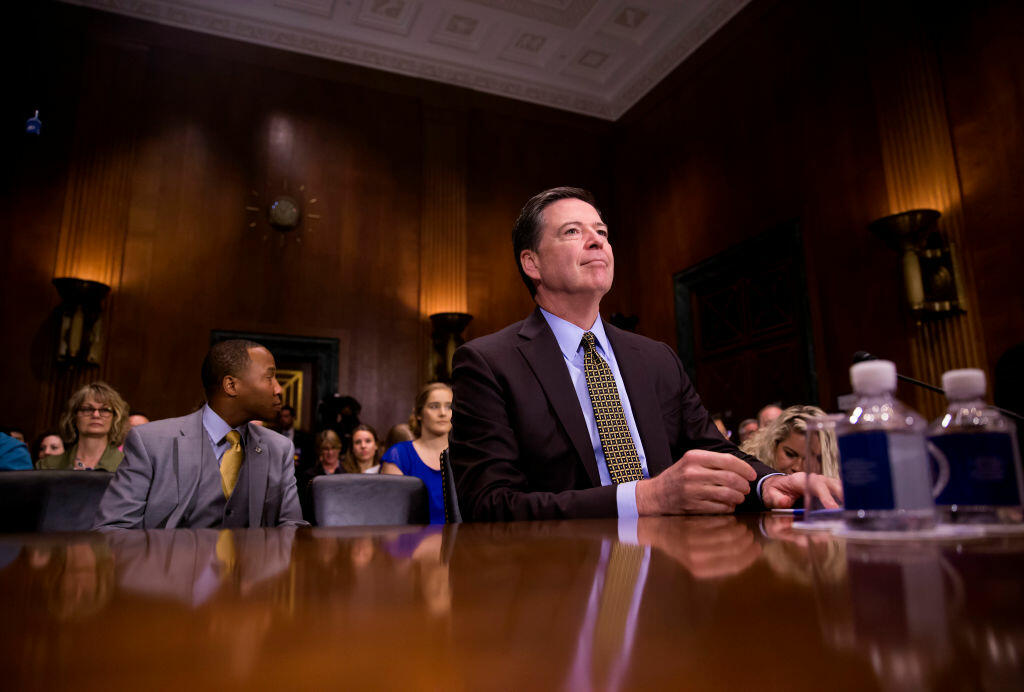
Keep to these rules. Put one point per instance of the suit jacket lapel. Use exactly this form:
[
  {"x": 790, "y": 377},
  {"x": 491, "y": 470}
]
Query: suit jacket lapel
[
  {"x": 643, "y": 399},
  {"x": 192, "y": 445},
  {"x": 545, "y": 359},
  {"x": 257, "y": 461}
]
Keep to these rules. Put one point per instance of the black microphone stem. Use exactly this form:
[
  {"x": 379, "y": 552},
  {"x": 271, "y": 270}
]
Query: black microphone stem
[{"x": 919, "y": 383}]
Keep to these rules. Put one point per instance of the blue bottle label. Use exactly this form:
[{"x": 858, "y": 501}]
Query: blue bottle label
[
  {"x": 866, "y": 471},
  {"x": 981, "y": 467}
]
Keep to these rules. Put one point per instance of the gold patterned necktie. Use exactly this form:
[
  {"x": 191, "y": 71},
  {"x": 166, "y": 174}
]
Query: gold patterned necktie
[
  {"x": 227, "y": 555},
  {"x": 231, "y": 462},
  {"x": 617, "y": 595},
  {"x": 616, "y": 442}
]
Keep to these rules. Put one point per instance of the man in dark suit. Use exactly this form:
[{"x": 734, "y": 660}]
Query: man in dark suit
[
  {"x": 562, "y": 415},
  {"x": 212, "y": 468},
  {"x": 305, "y": 445}
]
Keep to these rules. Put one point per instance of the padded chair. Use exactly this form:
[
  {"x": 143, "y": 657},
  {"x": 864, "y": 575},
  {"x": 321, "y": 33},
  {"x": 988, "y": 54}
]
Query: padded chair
[
  {"x": 452, "y": 515},
  {"x": 356, "y": 499},
  {"x": 32, "y": 501}
]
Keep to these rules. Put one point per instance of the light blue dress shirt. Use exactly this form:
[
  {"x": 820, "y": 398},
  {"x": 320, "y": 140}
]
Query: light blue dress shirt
[
  {"x": 569, "y": 336},
  {"x": 217, "y": 429}
]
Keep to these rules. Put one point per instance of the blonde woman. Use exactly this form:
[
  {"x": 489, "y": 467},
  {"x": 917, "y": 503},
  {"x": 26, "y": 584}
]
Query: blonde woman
[
  {"x": 782, "y": 444},
  {"x": 93, "y": 426},
  {"x": 328, "y": 463}
]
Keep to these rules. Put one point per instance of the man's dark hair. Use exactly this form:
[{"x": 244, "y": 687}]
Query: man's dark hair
[
  {"x": 225, "y": 358},
  {"x": 526, "y": 231},
  {"x": 290, "y": 409}
]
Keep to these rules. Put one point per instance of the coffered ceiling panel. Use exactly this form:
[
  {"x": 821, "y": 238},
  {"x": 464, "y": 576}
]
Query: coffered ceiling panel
[{"x": 595, "y": 57}]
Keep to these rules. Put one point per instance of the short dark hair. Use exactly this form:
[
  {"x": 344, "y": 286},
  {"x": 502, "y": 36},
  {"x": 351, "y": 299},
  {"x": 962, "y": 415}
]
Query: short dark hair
[
  {"x": 225, "y": 358},
  {"x": 290, "y": 409},
  {"x": 526, "y": 231}
]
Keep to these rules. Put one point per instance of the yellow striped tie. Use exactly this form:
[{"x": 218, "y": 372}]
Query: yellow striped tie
[{"x": 230, "y": 463}]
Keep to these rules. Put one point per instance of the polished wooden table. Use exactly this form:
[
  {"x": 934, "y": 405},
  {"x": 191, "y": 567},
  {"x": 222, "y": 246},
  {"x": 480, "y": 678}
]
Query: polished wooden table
[{"x": 718, "y": 603}]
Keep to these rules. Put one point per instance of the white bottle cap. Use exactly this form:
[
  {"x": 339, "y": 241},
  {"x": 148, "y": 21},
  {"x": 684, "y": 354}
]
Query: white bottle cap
[
  {"x": 873, "y": 377},
  {"x": 968, "y": 383}
]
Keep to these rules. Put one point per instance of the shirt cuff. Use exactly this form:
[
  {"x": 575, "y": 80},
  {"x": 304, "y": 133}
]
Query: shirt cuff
[
  {"x": 627, "y": 531},
  {"x": 625, "y": 500},
  {"x": 767, "y": 475}
]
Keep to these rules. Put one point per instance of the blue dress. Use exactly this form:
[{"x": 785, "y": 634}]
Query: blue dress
[{"x": 404, "y": 456}]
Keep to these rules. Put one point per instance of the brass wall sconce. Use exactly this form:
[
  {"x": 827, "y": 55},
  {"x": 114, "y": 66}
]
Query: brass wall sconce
[
  {"x": 81, "y": 323},
  {"x": 446, "y": 336},
  {"x": 931, "y": 275}
]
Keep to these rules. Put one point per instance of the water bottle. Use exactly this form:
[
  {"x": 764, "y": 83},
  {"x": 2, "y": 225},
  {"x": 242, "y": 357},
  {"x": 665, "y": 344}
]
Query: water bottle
[
  {"x": 883, "y": 462},
  {"x": 976, "y": 447}
]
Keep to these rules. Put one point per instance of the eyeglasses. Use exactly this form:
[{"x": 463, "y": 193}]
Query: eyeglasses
[{"x": 89, "y": 411}]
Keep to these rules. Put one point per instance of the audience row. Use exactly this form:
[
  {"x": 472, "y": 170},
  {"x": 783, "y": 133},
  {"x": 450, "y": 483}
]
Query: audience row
[{"x": 97, "y": 419}]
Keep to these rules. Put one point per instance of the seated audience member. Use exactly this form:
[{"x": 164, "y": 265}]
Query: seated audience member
[
  {"x": 563, "y": 415},
  {"x": 365, "y": 453},
  {"x": 328, "y": 455},
  {"x": 305, "y": 446},
  {"x": 746, "y": 428},
  {"x": 767, "y": 414},
  {"x": 211, "y": 468},
  {"x": 340, "y": 413},
  {"x": 398, "y": 433},
  {"x": 14, "y": 454},
  {"x": 137, "y": 418},
  {"x": 94, "y": 425},
  {"x": 783, "y": 443},
  {"x": 431, "y": 421},
  {"x": 16, "y": 433},
  {"x": 48, "y": 443},
  {"x": 328, "y": 463}
]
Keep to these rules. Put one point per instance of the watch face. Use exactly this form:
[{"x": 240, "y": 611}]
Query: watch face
[{"x": 283, "y": 213}]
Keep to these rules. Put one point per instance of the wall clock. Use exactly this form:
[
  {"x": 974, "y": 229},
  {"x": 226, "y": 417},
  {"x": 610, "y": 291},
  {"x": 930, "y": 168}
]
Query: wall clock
[{"x": 282, "y": 213}]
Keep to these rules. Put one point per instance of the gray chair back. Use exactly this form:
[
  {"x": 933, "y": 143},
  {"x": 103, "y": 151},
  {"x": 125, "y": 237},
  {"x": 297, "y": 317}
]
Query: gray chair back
[
  {"x": 452, "y": 515},
  {"x": 357, "y": 499},
  {"x": 33, "y": 501}
]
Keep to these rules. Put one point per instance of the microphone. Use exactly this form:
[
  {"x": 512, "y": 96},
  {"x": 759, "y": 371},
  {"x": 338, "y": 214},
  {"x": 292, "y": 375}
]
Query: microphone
[{"x": 861, "y": 356}]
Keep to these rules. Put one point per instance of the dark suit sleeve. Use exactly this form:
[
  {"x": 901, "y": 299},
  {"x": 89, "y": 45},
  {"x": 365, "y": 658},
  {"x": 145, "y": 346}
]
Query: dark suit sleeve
[
  {"x": 700, "y": 432},
  {"x": 290, "y": 513},
  {"x": 124, "y": 502},
  {"x": 489, "y": 464}
]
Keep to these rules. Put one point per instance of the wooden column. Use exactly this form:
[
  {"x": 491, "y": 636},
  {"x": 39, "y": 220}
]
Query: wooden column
[
  {"x": 94, "y": 223},
  {"x": 921, "y": 172},
  {"x": 443, "y": 227}
]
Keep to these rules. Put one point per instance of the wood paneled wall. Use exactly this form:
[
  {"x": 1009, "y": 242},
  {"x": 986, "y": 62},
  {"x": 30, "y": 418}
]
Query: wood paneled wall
[
  {"x": 156, "y": 140},
  {"x": 149, "y": 193},
  {"x": 982, "y": 64},
  {"x": 777, "y": 118}
]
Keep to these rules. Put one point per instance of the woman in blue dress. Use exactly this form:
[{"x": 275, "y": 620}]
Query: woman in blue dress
[{"x": 421, "y": 457}]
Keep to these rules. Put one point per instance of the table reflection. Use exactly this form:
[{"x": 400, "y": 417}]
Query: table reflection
[
  {"x": 924, "y": 615},
  {"x": 577, "y": 604}
]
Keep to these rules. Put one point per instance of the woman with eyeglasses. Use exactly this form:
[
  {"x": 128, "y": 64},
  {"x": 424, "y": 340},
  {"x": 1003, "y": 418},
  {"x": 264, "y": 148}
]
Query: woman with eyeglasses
[
  {"x": 328, "y": 463},
  {"x": 93, "y": 426},
  {"x": 431, "y": 421}
]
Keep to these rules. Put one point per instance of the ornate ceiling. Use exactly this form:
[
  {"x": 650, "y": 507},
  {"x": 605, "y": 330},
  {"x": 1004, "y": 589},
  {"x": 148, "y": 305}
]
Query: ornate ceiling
[{"x": 595, "y": 57}]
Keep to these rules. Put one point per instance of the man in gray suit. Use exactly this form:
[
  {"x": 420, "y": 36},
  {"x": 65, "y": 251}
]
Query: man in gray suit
[{"x": 212, "y": 468}]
